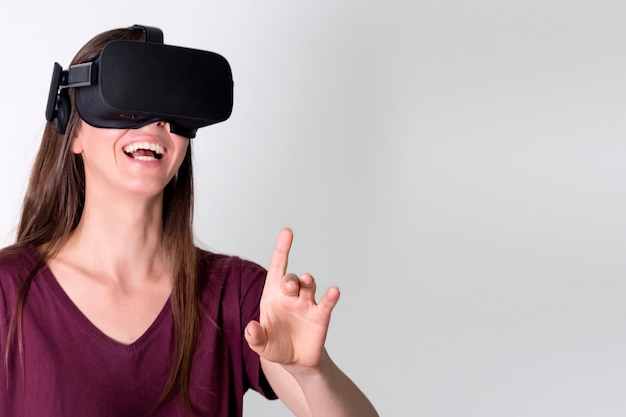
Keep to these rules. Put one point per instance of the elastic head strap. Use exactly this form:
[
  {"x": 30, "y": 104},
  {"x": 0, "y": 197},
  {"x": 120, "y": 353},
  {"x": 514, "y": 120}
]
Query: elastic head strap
[{"x": 153, "y": 34}]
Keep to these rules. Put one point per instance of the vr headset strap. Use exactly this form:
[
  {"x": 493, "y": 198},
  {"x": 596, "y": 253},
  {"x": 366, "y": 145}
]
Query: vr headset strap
[
  {"x": 82, "y": 75},
  {"x": 153, "y": 34},
  {"x": 58, "y": 106}
]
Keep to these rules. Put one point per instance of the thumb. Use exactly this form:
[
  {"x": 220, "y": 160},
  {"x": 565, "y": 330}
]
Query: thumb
[{"x": 255, "y": 336}]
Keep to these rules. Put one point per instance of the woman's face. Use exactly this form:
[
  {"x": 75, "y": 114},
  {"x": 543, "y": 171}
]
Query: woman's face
[{"x": 137, "y": 162}]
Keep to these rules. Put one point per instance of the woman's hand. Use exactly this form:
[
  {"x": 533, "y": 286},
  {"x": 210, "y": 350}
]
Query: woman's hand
[{"x": 293, "y": 326}]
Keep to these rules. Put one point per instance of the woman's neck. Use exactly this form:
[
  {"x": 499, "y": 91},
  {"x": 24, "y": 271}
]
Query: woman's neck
[{"x": 120, "y": 238}]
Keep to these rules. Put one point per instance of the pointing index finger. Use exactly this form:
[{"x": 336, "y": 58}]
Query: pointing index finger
[{"x": 280, "y": 257}]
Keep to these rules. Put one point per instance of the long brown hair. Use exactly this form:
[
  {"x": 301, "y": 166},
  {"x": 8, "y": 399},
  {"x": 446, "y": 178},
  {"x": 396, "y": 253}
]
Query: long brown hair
[{"x": 53, "y": 206}]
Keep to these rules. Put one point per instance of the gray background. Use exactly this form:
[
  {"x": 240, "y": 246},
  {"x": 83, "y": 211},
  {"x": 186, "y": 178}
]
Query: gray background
[{"x": 456, "y": 168}]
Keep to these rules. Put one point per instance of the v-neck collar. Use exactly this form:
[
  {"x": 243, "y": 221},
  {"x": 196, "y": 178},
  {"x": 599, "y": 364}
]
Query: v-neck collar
[{"x": 82, "y": 319}]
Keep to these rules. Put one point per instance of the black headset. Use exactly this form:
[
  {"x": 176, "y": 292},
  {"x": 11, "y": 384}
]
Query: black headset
[{"x": 131, "y": 84}]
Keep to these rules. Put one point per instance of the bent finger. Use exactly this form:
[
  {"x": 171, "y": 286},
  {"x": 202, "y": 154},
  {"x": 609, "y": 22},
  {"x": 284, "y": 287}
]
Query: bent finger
[
  {"x": 329, "y": 300},
  {"x": 291, "y": 285},
  {"x": 308, "y": 287}
]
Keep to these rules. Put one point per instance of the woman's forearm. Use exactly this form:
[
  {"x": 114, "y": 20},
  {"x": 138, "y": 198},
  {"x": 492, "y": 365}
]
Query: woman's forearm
[{"x": 331, "y": 393}]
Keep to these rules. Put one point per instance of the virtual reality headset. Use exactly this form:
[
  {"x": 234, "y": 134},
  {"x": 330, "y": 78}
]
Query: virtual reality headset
[{"x": 132, "y": 84}]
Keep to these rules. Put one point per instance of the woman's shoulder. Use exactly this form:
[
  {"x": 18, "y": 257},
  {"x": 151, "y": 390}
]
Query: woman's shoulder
[
  {"x": 220, "y": 267},
  {"x": 16, "y": 262},
  {"x": 17, "y": 258},
  {"x": 221, "y": 260}
]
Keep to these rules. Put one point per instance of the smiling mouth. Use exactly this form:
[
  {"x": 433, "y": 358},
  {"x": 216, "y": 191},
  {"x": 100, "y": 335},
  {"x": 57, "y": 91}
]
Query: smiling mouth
[{"x": 144, "y": 151}]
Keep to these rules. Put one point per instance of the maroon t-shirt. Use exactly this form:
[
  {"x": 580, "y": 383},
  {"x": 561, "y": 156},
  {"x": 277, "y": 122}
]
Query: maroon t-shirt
[{"x": 73, "y": 369}]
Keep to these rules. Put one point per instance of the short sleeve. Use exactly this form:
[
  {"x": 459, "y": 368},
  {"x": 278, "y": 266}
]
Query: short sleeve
[{"x": 252, "y": 283}]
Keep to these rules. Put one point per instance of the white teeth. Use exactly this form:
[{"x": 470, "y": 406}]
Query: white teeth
[{"x": 154, "y": 147}]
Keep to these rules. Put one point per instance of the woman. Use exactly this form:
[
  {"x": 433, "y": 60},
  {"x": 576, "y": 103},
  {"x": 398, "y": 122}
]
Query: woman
[{"x": 108, "y": 309}]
